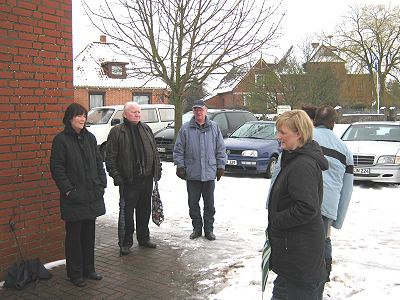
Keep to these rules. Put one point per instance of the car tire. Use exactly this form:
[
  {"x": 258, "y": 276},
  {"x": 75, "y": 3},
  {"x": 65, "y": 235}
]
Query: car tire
[{"x": 271, "y": 167}]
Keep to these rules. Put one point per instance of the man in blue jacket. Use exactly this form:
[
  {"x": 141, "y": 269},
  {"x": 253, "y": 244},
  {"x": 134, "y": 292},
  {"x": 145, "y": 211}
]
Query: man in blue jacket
[
  {"x": 199, "y": 156},
  {"x": 338, "y": 179}
]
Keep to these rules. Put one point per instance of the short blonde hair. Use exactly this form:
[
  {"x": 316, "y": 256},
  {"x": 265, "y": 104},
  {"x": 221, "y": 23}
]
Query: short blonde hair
[{"x": 297, "y": 121}]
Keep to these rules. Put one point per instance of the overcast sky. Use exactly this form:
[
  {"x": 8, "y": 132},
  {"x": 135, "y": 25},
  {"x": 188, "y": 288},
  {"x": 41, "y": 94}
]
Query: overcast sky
[{"x": 303, "y": 19}]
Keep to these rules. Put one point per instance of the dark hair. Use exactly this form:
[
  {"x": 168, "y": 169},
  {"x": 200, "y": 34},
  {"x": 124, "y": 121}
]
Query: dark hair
[
  {"x": 326, "y": 116},
  {"x": 310, "y": 110},
  {"x": 74, "y": 109}
]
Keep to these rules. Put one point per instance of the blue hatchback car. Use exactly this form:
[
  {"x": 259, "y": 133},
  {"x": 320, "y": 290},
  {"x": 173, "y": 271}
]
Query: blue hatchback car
[{"x": 253, "y": 149}]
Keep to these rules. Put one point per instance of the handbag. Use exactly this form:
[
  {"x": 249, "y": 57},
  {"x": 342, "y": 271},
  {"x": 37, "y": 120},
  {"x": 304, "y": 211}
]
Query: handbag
[{"x": 157, "y": 211}]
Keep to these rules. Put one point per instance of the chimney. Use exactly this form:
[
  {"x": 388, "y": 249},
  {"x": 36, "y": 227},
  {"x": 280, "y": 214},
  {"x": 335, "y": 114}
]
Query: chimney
[
  {"x": 314, "y": 45},
  {"x": 103, "y": 39}
]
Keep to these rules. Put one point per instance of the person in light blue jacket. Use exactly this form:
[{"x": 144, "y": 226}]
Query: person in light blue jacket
[
  {"x": 199, "y": 156},
  {"x": 338, "y": 179}
]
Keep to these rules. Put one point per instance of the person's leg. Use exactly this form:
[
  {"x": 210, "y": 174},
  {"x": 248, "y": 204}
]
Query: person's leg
[
  {"x": 129, "y": 203},
  {"x": 87, "y": 241},
  {"x": 328, "y": 245},
  {"x": 209, "y": 208},
  {"x": 73, "y": 250},
  {"x": 194, "y": 192},
  {"x": 305, "y": 291},
  {"x": 143, "y": 209},
  {"x": 279, "y": 291}
]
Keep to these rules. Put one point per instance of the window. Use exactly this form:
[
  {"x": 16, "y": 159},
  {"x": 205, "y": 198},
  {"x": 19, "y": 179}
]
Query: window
[
  {"x": 96, "y": 100},
  {"x": 149, "y": 115},
  {"x": 115, "y": 69},
  {"x": 141, "y": 98},
  {"x": 167, "y": 114}
]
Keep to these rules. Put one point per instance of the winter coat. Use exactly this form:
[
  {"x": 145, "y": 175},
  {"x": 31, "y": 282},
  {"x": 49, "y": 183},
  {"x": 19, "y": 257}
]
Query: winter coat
[
  {"x": 295, "y": 226},
  {"x": 76, "y": 166},
  {"x": 338, "y": 179},
  {"x": 120, "y": 155},
  {"x": 200, "y": 150}
]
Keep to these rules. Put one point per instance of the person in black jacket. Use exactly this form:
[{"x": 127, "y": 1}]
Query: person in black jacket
[
  {"x": 295, "y": 226},
  {"x": 77, "y": 168},
  {"x": 132, "y": 161}
]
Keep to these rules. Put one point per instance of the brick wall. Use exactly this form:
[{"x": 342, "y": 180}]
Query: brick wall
[{"x": 35, "y": 88}]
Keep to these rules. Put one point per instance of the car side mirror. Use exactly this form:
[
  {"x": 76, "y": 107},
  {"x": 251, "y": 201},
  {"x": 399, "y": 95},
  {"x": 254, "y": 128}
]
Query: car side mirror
[{"x": 115, "y": 122}]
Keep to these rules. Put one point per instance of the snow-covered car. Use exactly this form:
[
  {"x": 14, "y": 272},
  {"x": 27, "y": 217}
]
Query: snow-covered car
[
  {"x": 376, "y": 150},
  {"x": 253, "y": 149}
]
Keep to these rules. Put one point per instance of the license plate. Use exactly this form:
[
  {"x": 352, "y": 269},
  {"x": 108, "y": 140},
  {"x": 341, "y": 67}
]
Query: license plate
[
  {"x": 361, "y": 171},
  {"x": 231, "y": 162},
  {"x": 161, "y": 150}
]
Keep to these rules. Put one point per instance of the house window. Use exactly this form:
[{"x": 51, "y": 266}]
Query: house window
[
  {"x": 141, "y": 98},
  {"x": 96, "y": 100},
  {"x": 259, "y": 80},
  {"x": 115, "y": 69}
]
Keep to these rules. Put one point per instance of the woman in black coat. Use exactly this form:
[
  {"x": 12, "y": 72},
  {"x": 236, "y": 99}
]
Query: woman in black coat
[
  {"x": 77, "y": 168},
  {"x": 295, "y": 227}
]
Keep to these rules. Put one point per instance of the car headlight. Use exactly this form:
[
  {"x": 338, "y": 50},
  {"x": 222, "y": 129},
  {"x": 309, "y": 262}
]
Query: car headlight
[
  {"x": 388, "y": 159},
  {"x": 250, "y": 153}
]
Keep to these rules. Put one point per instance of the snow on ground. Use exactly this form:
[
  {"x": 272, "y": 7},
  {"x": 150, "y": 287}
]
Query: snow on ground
[{"x": 366, "y": 260}]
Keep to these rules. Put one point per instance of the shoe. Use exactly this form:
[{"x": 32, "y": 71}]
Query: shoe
[
  {"x": 148, "y": 244},
  {"x": 124, "y": 250},
  {"x": 79, "y": 282},
  {"x": 210, "y": 236},
  {"x": 94, "y": 276},
  {"x": 195, "y": 234}
]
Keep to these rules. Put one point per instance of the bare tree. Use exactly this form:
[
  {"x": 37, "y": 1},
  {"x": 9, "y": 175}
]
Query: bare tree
[
  {"x": 180, "y": 41},
  {"x": 370, "y": 36}
]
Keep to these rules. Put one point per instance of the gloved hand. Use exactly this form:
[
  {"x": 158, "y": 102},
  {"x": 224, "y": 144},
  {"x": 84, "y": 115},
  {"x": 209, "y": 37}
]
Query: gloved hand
[
  {"x": 181, "y": 173},
  {"x": 220, "y": 172},
  {"x": 157, "y": 177}
]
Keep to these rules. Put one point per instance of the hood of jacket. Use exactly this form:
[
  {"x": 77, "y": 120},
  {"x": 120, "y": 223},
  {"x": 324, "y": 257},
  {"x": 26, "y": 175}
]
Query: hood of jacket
[{"x": 311, "y": 149}]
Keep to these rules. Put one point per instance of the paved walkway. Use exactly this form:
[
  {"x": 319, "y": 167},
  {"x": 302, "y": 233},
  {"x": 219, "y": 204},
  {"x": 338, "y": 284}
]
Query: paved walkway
[{"x": 162, "y": 273}]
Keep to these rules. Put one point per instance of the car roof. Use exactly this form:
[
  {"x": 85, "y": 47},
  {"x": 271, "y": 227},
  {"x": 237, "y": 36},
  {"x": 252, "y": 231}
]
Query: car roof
[
  {"x": 141, "y": 105},
  {"x": 377, "y": 123},
  {"x": 216, "y": 110}
]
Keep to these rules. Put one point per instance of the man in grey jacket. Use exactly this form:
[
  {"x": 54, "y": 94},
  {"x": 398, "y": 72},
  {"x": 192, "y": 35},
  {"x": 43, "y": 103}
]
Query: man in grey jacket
[
  {"x": 199, "y": 155},
  {"x": 338, "y": 179}
]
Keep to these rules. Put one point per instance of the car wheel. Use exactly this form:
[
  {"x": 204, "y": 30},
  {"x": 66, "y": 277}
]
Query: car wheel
[{"x": 271, "y": 167}]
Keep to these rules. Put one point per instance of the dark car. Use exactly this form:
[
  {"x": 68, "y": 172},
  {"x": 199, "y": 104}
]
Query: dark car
[
  {"x": 253, "y": 149},
  {"x": 227, "y": 119}
]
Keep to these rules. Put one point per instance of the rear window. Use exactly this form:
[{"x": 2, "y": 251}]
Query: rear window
[
  {"x": 167, "y": 114},
  {"x": 236, "y": 119},
  {"x": 99, "y": 116}
]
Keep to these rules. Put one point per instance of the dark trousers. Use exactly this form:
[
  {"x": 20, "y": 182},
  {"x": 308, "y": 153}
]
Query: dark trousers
[
  {"x": 196, "y": 189},
  {"x": 79, "y": 247},
  {"x": 328, "y": 245},
  {"x": 135, "y": 199},
  {"x": 291, "y": 290}
]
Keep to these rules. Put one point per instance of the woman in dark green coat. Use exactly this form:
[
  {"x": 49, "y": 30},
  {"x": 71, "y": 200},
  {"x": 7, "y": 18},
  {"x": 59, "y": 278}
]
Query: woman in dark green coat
[{"x": 77, "y": 168}]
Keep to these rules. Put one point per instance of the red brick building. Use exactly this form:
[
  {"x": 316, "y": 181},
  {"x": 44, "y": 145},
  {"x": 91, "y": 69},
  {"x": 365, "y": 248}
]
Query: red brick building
[
  {"x": 237, "y": 84},
  {"x": 102, "y": 77},
  {"x": 35, "y": 88}
]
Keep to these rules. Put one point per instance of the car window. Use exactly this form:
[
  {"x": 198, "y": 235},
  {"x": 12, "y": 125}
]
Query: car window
[
  {"x": 236, "y": 119},
  {"x": 118, "y": 115},
  {"x": 149, "y": 115},
  {"x": 167, "y": 114},
  {"x": 99, "y": 116},
  {"x": 265, "y": 131},
  {"x": 222, "y": 122},
  {"x": 372, "y": 132}
]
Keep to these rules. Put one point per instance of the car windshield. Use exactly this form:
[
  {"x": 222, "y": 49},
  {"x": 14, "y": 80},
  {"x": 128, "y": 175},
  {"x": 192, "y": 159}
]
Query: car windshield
[
  {"x": 372, "y": 132},
  {"x": 265, "y": 131},
  {"x": 99, "y": 116}
]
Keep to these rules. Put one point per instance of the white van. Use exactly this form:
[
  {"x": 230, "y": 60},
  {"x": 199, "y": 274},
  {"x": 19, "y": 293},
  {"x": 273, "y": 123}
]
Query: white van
[{"x": 101, "y": 119}]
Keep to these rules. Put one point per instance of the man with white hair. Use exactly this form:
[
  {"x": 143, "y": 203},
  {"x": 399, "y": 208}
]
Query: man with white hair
[{"x": 132, "y": 161}]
